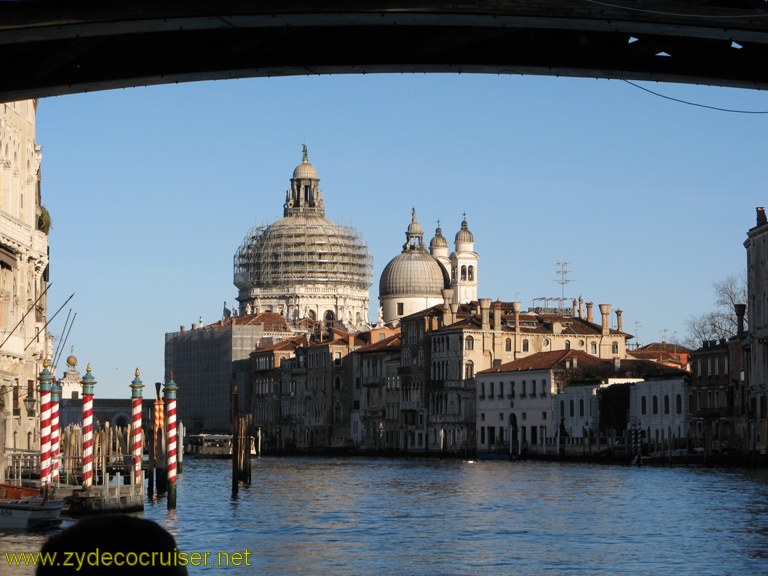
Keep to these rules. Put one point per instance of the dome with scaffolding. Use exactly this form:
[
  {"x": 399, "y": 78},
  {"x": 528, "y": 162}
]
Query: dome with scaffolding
[{"x": 304, "y": 266}]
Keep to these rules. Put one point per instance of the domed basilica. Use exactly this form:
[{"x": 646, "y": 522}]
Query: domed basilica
[
  {"x": 304, "y": 266},
  {"x": 416, "y": 278}
]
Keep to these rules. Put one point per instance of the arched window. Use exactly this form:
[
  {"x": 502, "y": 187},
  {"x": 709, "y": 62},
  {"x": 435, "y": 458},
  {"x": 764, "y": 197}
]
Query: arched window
[
  {"x": 593, "y": 347},
  {"x": 469, "y": 343},
  {"x": 570, "y": 408},
  {"x": 337, "y": 383},
  {"x": 463, "y": 272},
  {"x": 581, "y": 407},
  {"x": 525, "y": 345},
  {"x": 567, "y": 344},
  {"x": 655, "y": 404},
  {"x": 679, "y": 404},
  {"x": 329, "y": 316},
  {"x": 508, "y": 345},
  {"x": 615, "y": 348},
  {"x": 337, "y": 412},
  {"x": 643, "y": 406},
  {"x": 666, "y": 404},
  {"x": 471, "y": 273},
  {"x": 469, "y": 370}
]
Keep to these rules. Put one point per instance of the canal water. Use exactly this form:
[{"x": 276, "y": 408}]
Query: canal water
[{"x": 366, "y": 517}]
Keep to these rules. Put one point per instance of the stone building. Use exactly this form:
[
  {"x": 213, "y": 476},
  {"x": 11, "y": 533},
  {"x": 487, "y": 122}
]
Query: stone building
[
  {"x": 304, "y": 266},
  {"x": 24, "y": 225},
  {"x": 757, "y": 313},
  {"x": 211, "y": 359},
  {"x": 414, "y": 280}
]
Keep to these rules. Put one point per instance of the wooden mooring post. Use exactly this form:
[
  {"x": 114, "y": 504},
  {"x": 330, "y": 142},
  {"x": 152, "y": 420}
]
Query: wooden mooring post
[{"x": 241, "y": 445}]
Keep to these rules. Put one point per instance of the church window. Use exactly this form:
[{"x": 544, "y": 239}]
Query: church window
[
  {"x": 469, "y": 343},
  {"x": 471, "y": 273},
  {"x": 508, "y": 344},
  {"x": 463, "y": 272},
  {"x": 525, "y": 345}
]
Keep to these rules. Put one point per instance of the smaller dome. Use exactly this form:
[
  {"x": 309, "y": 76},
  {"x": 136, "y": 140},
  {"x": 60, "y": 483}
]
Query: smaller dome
[
  {"x": 464, "y": 235},
  {"x": 414, "y": 228},
  {"x": 305, "y": 170},
  {"x": 439, "y": 240},
  {"x": 413, "y": 273},
  {"x": 71, "y": 361}
]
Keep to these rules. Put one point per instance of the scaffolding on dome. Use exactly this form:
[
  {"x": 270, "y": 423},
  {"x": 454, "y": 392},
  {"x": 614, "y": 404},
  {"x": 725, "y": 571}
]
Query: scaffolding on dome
[{"x": 303, "y": 250}]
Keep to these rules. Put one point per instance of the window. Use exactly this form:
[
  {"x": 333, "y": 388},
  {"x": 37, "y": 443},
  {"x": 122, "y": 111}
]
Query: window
[
  {"x": 490, "y": 390},
  {"x": 655, "y": 404},
  {"x": 463, "y": 272},
  {"x": 522, "y": 390},
  {"x": 570, "y": 408},
  {"x": 679, "y": 404},
  {"x": 593, "y": 347},
  {"x": 337, "y": 383},
  {"x": 581, "y": 407},
  {"x": 666, "y": 404},
  {"x": 525, "y": 345},
  {"x": 337, "y": 358},
  {"x": 469, "y": 343},
  {"x": 543, "y": 415},
  {"x": 567, "y": 344},
  {"x": 615, "y": 348},
  {"x": 469, "y": 370},
  {"x": 471, "y": 273},
  {"x": 508, "y": 345},
  {"x": 399, "y": 308},
  {"x": 643, "y": 406}
]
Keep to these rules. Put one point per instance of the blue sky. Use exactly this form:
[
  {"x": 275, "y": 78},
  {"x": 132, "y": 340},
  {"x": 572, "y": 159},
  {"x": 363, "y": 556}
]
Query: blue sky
[{"x": 151, "y": 191}]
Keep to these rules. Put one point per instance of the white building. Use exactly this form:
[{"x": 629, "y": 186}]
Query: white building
[
  {"x": 414, "y": 280},
  {"x": 661, "y": 409},
  {"x": 24, "y": 225}
]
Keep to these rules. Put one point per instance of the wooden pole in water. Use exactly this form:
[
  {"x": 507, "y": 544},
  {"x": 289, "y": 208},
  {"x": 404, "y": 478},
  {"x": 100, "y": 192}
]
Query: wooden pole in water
[
  {"x": 46, "y": 380},
  {"x": 137, "y": 450},
  {"x": 235, "y": 443},
  {"x": 87, "y": 383},
  {"x": 170, "y": 400}
]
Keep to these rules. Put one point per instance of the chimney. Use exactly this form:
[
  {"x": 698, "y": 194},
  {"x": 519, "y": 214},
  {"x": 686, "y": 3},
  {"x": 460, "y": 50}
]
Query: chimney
[
  {"x": 447, "y": 297},
  {"x": 581, "y": 306},
  {"x": 181, "y": 328},
  {"x": 454, "y": 311},
  {"x": 605, "y": 312},
  {"x": 485, "y": 314},
  {"x": 619, "y": 323},
  {"x": 761, "y": 219},
  {"x": 497, "y": 315},
  {"x": 741, "y": 309},
  {"x": 589, "y": 311}
]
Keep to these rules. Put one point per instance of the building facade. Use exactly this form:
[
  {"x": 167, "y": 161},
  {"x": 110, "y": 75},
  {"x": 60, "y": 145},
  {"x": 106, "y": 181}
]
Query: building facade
[{"x": 24, "y": 225}]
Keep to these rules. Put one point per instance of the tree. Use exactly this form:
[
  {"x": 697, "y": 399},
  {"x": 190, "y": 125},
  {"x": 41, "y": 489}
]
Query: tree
[{"x": 721, "y": 323}]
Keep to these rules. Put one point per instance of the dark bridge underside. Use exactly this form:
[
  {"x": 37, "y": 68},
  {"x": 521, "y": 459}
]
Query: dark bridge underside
[{"x": 60, "y": 47}]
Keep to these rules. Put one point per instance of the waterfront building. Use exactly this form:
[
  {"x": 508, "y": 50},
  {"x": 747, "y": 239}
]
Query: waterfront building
[
  {"x": 719, "y": 398},
  {"x": 660, "y": 409},
  {"x": 414, "y": 280},
  {"x": 376, "y": 397},
  {"x": 24, "y": 226},
  {"x": 304, "y": 266},
  {"x": 266, "y": 378},
  {"x": 757, "y": 343},
  {"x": 211, "y": 359},
  {"x": 548, "y": 402}
]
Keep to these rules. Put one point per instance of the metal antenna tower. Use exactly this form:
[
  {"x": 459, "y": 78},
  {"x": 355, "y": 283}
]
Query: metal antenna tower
[{"x": 563, "y": 280}]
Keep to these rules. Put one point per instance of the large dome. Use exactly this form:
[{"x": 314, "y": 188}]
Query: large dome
[
  {"x": 302, "y": 249},
  {"x": 413, "y": 273}
]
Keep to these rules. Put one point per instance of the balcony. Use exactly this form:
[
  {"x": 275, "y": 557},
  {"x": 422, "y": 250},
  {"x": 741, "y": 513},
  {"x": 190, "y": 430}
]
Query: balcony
[
  {"x": 458, "y": 384},
  {"x": 410, "y": 405},
  {"x": 449, "y": 419},
  {"x": 374, "y": 381}
]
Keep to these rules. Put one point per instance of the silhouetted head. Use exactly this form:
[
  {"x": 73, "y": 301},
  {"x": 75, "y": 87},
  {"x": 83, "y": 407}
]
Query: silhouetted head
[{"x": 114, "y": 544}]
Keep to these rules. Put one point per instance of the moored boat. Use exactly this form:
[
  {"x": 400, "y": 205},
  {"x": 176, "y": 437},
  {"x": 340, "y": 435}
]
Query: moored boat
[{"x": 30, "y": 513}]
